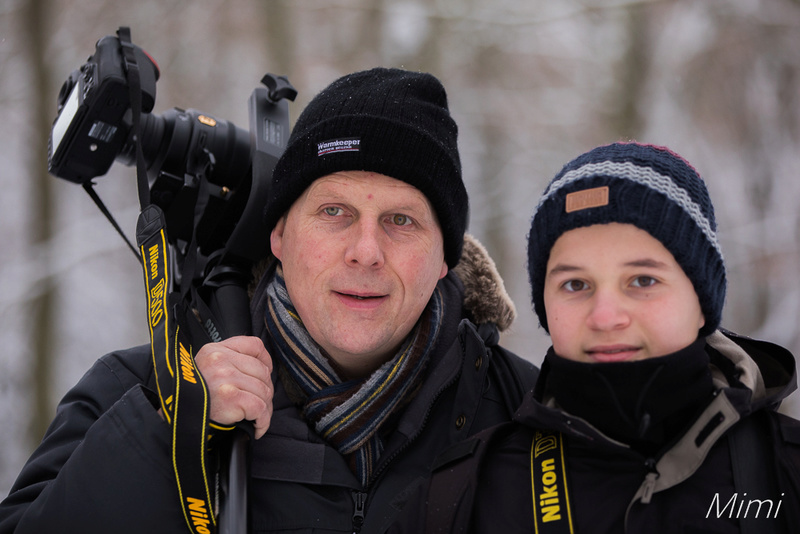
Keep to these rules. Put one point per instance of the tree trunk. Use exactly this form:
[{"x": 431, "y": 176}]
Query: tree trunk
[{"x": 41, "y": 216}]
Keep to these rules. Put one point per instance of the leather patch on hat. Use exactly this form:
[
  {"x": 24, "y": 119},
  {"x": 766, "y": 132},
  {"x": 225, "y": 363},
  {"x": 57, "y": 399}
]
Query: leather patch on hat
[{"x": 588, "y": 198}]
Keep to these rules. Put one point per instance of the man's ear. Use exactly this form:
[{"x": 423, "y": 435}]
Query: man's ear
[{"x": 276, "y": 238}]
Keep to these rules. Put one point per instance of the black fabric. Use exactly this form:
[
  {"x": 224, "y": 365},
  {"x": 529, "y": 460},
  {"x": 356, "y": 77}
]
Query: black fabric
[{"x": 643, "y": 403}]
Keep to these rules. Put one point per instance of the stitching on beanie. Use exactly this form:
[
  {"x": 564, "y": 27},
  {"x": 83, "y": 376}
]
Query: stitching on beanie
[{"x": 644, "y": 176}]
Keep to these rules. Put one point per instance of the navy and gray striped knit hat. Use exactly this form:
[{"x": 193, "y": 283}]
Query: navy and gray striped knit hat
[
  {"x": 390, "y": 121},
  {"x": 648, "y": 186}
]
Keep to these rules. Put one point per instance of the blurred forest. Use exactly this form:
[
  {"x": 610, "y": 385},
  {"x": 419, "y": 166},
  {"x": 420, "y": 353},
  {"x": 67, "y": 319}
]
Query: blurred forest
[{"x": 531, "y": 83}]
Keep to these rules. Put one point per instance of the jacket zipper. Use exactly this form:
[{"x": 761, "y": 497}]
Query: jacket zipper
[
  {"x": 359, "y": 505},
  {"x": 384, "y": 464},
  {"x": 360, "y": 498}
]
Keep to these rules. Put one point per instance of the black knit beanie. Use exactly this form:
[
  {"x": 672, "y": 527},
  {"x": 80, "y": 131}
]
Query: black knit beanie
[
  {"x": 647, "y": 186},
  {"x": 390, "y": 121}
]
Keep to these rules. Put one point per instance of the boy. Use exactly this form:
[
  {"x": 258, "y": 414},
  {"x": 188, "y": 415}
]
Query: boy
[{"x": 645, "y": 417}]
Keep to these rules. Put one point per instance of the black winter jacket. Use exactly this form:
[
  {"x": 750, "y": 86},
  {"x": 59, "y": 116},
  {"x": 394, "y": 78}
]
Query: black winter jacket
[
  {"x": 740, "y": 452},
  {"x": 104, "y": 465}
]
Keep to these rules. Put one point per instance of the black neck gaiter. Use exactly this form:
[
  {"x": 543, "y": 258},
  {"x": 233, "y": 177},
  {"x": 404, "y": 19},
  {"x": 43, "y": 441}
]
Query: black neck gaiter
[{"x": 646, "y": 403}]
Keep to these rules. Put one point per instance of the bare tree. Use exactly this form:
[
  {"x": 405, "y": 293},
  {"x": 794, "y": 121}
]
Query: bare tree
[{"x": 41, "y": 219}]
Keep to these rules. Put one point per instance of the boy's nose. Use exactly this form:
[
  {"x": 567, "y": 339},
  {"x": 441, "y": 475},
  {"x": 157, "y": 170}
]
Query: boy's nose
[{"x": 608, "y": 311}]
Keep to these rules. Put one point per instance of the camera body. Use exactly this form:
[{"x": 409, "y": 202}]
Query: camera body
[
  {"x": 209, "y": 177},
  {"x": 90, "y": 129}
]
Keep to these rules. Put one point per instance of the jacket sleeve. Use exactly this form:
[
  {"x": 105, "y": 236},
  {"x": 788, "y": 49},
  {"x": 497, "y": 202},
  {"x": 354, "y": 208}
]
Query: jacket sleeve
[
  {"x": 104, "y": 464},
  {"x": 786, "y": 431}
]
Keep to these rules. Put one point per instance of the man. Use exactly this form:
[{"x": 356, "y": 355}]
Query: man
[
  {"x": 645, "y": 417},
  {"x": 376, "y": 347}
]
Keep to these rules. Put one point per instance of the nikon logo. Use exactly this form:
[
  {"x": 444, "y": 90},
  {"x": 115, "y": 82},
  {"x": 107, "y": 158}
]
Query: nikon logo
[
  {"x": 187, "y": 366},
  {"x": 153, "y": 261},
  {"x": 548, "y": 499},
  {"x": 199, "y": 515}
]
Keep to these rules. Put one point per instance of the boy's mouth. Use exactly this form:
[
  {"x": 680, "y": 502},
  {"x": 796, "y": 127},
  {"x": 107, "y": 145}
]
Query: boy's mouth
[{"x": 612, "y": 353}]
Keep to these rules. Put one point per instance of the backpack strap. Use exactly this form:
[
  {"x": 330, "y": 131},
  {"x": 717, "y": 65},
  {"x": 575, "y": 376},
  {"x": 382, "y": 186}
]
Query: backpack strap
[{"x": 750, "y": 454}]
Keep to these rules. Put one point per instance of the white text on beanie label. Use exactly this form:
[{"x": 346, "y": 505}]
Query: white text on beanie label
[{"x": 350, "y": 144}]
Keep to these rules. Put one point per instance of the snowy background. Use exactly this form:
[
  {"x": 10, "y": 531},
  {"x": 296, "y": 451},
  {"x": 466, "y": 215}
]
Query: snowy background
[{"x": 532, "y": 84}]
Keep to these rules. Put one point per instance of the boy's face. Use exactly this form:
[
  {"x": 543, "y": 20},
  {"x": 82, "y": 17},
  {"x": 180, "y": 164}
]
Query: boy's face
[{"x": 613, "y": 292}]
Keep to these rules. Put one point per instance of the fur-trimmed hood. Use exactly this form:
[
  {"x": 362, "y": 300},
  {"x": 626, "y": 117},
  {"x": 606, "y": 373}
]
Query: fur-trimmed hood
[{"x": 485, "y": 296}]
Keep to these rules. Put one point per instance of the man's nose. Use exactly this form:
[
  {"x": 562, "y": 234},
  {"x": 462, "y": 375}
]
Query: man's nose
[{"x": 366, "y": 244}]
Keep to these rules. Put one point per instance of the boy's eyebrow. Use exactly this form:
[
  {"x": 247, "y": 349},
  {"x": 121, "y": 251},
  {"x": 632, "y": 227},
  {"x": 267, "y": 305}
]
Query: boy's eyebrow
[
  {"x": 643, "y": 262},
  {"x": 647, "y": 262},
  {"x": 562, "y": 268}
]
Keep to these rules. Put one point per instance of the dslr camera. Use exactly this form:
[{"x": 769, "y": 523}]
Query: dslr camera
[{"x": 209, "y": 177}]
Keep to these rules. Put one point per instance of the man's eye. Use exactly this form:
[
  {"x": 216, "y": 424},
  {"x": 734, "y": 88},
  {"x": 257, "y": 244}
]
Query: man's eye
[
  {"x": 574, "y": 285},
  {"x": 644, "y": 281},
  {"x": 401, "y": 220},
  {"x": 333, "y": 211}
]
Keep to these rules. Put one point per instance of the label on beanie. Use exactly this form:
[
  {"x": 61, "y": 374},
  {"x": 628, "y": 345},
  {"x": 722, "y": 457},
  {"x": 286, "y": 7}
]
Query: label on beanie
[
  {"x": 348, "y": 144},
  {"x": 588, "y": 198}
]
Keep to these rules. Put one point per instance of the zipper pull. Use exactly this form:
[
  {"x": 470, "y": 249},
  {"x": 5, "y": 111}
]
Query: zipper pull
[
  {"x": 359, "y": 501},
  {"x": 649, "y": 485}
]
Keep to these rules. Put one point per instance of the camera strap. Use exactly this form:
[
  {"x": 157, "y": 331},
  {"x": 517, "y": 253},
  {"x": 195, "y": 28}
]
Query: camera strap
[
  {"x": 182, "y": 391},
  {"x": 135, "y": 85},
  {"x": 552, "y": 513}
]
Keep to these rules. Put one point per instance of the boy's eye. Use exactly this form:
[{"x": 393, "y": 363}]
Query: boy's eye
[
  {"x": 574, "y": 285},
  {"x": 644, "y": 281},
  {"x": 333, "y": 211},
  {"x": 401, "y": 220}
]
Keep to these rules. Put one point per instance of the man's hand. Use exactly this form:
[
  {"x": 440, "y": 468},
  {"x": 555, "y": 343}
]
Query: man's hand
[{"x": 237, "y": 372}]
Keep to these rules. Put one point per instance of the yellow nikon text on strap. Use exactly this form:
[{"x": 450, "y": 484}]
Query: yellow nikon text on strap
[{"x": 551, "y": 508}]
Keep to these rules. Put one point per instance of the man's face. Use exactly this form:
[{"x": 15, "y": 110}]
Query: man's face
[
  {"x": 613, "y": 292},
  {"x": 361, "y": 254}
]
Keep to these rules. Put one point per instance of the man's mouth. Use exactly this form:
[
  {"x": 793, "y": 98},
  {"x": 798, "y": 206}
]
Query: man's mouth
[
  {"x": 360, "y": 297},
  {"x": 364, "y": 301}
]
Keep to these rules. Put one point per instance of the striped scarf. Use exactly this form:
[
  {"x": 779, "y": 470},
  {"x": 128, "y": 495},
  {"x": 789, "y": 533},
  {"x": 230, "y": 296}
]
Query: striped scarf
[{"x": 349, "y": 414}]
